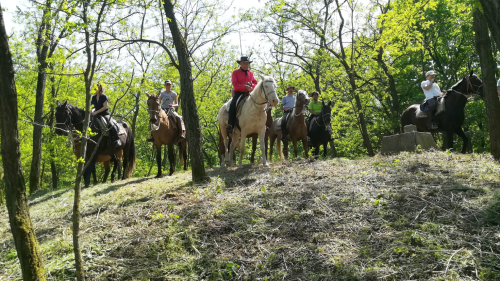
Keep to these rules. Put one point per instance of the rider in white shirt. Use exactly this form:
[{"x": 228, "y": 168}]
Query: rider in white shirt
[{"x": 432, "y": 91}]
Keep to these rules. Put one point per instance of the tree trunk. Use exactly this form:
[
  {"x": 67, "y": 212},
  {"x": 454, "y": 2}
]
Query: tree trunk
[
  {"x": 53, "y": 166},
  {"x": 188, "y": 105},
  {"x": 43, "y": 45},
  {"x": 491, "y": 10},
  {"x": 488, "y": 70},
  {"x": 15, "y": 188}
]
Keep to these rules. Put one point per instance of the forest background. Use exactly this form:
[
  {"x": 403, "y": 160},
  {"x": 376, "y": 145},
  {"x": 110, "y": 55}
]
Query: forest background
[{"x": 368, "y": 57}]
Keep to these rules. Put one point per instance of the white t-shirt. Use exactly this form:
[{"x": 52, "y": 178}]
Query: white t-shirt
[
  {"x": 167, "y": 98},
  {"x": 434, "y": 91}
]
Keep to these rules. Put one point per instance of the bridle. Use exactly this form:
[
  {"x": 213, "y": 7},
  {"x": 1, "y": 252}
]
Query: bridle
[
  {"x": 323, "y": 118},
  {"x": 266, "y": 99},
  {"x": 302, "y": 112},
  {"x": 472, "y": 86}
]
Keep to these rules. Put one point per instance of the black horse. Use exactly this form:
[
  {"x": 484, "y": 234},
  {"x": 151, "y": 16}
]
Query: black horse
[
  {"x": 319, "y": 129},
  {"x": 450, "y": 121},
  {"x": 70, "y": 118}
]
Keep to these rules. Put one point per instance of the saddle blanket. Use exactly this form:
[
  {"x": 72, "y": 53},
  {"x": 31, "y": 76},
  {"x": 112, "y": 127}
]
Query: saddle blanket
[{"x": 440, "y": 109}]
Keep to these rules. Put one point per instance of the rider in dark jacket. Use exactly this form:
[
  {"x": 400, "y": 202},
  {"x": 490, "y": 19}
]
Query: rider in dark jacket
[{"x": 100, "y": 103}]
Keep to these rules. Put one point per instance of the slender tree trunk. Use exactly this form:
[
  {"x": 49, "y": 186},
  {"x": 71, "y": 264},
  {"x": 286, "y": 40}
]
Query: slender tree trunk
[
  {"x": 488, "y": 70},
  {"x": 53, "y": 166},
  {"x": 15, "y": 188},
  {"x": 43, "y": 44},
  {"x": 491, "y": 10},
  {"x": 188, "y": 105}
]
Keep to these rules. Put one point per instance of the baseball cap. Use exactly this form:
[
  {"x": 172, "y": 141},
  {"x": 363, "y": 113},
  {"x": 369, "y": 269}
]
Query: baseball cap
[{"x": 168, "y": 82}]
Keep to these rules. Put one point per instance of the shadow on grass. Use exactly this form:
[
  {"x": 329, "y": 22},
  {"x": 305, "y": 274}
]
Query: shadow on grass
[
  {"x": 114, "y": 187},
  {"x": 51, "y": 194}
]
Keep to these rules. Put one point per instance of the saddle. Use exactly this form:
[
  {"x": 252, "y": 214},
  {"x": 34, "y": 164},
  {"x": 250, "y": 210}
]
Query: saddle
[
  {"x": 423, "y": 109},
  {"x": 103, "y": 125},
  {"x": 239, "y": 104}
]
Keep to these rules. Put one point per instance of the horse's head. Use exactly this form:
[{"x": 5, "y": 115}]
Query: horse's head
[
  {"x": 63, "y": 117},
  {"x": 470, "y": 84},
  {"x": 474, "y": 84},
  {"x": 154, "y": 108},
  {"x": 269, "y": 88},
  {"x": 302, "y": 98},
  {"x": 326, "y": 115}
]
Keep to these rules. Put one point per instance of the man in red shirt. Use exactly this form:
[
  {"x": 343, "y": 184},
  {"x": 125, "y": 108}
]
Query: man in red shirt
[{"x": 243, "y": 82}]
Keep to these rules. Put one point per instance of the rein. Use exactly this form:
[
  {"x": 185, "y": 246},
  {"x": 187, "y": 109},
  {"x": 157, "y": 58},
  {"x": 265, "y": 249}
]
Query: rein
[{"x": 266, "y": 100}]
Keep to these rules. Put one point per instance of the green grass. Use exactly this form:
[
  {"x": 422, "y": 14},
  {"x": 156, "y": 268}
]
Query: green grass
[{"x": 424, "y": 216}]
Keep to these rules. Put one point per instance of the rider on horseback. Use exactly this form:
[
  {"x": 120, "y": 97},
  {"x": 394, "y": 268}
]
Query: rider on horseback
[
  {"x": 243, "y": 83},
  {"x": 100, "y": 103},
  {"x": 169, "y": 102},
  {"x": 431, "y": 91},
  {"x": 287, "y": 104},
  {"x": 314, "y": 106}
]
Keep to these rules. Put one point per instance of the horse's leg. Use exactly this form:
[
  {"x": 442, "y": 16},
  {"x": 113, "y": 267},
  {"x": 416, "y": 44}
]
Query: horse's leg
[
  {"x": 465, "y": 140},
  {"x": 294, "y": 148},
  {"x": 171, "y": 158},
  {"x": 115, "y": 165},
  {"x": 234, "y": 140},
  {"x": 305, "y": 145},
  {"x": 449, "y": 135},
  {"x": 325, "y": 148},
  {"x": 158, "y": 160},
  {"x": 106, "y": 171},
  {"x": 94, "y": 175},
  {"x": 254, "y": 147},
  {"x": 88, "y": 171},
  {"x": 263, "y": 147},
  {"x": 243, "y": 137},
  {"x": 271, "y": 145}
]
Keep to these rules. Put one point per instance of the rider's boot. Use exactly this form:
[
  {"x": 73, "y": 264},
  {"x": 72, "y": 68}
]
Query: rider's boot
[
  {"x": 150, "y": 139},
  {"x": 431, "y": 125}
]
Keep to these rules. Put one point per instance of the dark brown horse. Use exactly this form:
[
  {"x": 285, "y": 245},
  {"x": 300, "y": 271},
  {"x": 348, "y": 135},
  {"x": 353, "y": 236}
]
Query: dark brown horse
[
  {"x": 104, "y": 159},
  {"x": 70, "y": 118},
  {"x": 320, "y": 129},
  {"x": 255, "y": 137},
  {"x": 164, "y": 133},
  {"x": 450, "y": 121}
]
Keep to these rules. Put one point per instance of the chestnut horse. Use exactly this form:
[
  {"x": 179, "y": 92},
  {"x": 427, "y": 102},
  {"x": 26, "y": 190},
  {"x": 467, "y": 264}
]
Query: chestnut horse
[
  {"x": 164, "y": 133},
  {"x": 295, "y": 126}
]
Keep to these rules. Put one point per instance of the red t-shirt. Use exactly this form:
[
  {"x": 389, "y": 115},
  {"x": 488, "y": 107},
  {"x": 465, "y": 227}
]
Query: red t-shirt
[{"x": 240, "y": 78}]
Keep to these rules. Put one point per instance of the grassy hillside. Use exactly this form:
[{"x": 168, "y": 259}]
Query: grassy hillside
[{"x": 424, "y": 216}]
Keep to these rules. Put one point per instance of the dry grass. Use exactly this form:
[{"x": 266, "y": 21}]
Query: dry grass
[{"x": 424, "y": 216}]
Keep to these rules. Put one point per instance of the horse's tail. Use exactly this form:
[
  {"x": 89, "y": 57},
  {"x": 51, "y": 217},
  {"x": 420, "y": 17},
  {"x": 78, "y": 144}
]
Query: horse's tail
[
  {"x": 129, "y": 154},
  {"x": 181, "y": 148}
]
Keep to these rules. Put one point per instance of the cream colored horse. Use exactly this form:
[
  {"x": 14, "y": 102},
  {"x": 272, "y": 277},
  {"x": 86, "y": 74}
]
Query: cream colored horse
[{"x": 252, "y": 119}]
